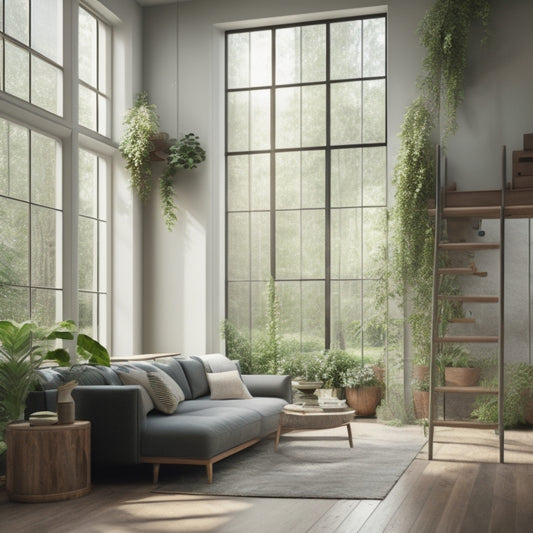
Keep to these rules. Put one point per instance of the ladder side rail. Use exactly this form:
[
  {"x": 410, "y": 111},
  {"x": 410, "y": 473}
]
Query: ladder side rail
[
  {"x": 435, "y": 303},
  {"x": 501, "y": 379}
]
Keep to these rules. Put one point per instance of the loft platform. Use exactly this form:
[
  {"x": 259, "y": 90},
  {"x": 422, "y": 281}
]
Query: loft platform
[{"x": 485, "y": 204}]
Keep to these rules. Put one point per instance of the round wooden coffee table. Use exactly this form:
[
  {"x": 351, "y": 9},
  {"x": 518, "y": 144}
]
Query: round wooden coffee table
[{"x": 296, "y": 417}]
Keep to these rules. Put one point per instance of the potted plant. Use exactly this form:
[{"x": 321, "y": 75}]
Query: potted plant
[
  {"x": 23, "y": 348},
  {"x": 337, "y": 364},
  {"x": 420, "y": 389},
  {"x": 363, "y": 390},
  {"x": 457, "y": 368},
  {"x": 142, "y": 142}
]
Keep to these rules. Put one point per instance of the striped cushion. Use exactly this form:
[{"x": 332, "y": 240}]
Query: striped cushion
[{"x": 164, "y": 391}]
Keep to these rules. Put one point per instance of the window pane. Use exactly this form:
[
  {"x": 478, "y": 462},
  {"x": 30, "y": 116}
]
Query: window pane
[
  {"x": 300, "y": 116},
  {"x": 17, "y": 20},
  {"x": 88, "y": 176},
  {"x": 1, "y": 64},
  {"x": 248, "y": 120},
  {"x": 346, "y": 177},
  {"x": 87, "y": 55},
  {"x": 102, "y": 115},
  {"x": 238, "y": 246},
  {"x": 15, "y": 148},
  {"x": 346, "y": 113},
  {"x": 47, "y": 86},
  {"x": 47, "y": 28},
  {"x": 374, "y": 47},
  {"x": 374, "y": 240},
  {"x": 45, "y": 170},
  {"x": 249, "y": 182},
  {"x": 103, "y": 39},
  {"x": 375, "y": 176},
  {"x": 102, "y": 188},
  {"x": 102, "y": 257},
  {"x": 346, "y": 315},
  {"x": 345, "y": 42},
  {"x": 14, "y": 244},
  {"x": 87, "y": 107},
  {"x": 46, "y": 249},
  {"x": 374, "y": 324},
  {"x": 87, "y": 253},
  {"x": 301, "y": 54},
  {"x": 260, "y": 58},
  {"x": 346, "y": 243},
  {"x": 238, "y": 296},
  {"x": 300, "y": 179},
  {"x": 87, "y": 313},
  {"x": 238, "y": 60},
  {"x": 102, "y": 319},
  {"x": 15, "y": 303},
  {"x": 17, "y": 71},
  {"x": 260, "y": 246},
  {"x": 46, "y": 306},
  {"x": 374, "y": 111}
]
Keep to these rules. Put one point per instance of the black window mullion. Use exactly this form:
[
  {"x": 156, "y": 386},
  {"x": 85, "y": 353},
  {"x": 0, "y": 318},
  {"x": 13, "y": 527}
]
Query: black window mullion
[
  {"x": 327, "y": 272},
  {"x": 273, "y": 158}
]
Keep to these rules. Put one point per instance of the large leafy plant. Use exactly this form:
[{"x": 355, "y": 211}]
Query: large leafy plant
[{"x": 23, "y": 348}]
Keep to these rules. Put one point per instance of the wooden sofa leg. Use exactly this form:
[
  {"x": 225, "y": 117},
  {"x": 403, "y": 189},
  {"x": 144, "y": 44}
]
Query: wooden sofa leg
[
  {"x": 156, "y": 473},
  {"x": 209, "y": 469}
]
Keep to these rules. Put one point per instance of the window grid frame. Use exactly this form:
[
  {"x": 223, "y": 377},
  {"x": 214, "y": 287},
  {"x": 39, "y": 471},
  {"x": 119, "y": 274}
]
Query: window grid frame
[{"x": 327, "y": 148}]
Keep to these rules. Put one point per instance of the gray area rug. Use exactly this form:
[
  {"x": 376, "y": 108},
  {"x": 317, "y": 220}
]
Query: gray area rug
[{"x": 308, "y": 464}]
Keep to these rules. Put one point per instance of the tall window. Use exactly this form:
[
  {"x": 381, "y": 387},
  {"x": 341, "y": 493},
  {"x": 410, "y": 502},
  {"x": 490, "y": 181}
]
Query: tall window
[
  {"x": 94, "y": 66},
  {"x": 306, "y": 179},
  {"x": 31, "y": 51},
  {"x": 31, "y": 279},
  {"x": 92, "y": 245}
]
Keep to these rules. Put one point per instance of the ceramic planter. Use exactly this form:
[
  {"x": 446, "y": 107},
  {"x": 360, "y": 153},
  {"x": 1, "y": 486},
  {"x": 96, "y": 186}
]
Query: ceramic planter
[
  {"x": 364, "y": 399},
  {"x": 421, "y": 403},
  {"x": 461, "y": 377}
]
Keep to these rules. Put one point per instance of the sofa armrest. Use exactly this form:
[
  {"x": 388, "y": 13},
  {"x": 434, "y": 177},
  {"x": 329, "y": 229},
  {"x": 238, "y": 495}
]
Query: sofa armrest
[
  {"x": 271, "y": 386},
  {"x": 116, "y": 415}
]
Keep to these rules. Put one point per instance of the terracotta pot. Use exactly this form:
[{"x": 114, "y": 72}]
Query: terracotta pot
[
  {"x": 364, "y": 399},
  {"x": 421, "y": 372},
  {"x": 461, "y": 377},
  {"x": 421, "y": 403}
]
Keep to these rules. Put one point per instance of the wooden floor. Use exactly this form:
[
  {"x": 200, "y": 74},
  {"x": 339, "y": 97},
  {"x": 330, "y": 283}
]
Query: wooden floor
[{"x": 464, "y": 489}]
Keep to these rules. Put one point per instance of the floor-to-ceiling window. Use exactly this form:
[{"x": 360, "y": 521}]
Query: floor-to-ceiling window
[
  {"x": 306, "y": 186},
  {"x": 49, "y": 154}
]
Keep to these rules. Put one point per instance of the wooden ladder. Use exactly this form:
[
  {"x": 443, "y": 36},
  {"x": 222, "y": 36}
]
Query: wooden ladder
[{"x": 438, "y": 391}]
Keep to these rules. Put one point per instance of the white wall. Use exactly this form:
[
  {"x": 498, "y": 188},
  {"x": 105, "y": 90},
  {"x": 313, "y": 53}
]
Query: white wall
[{"x": 184, "y": 270}]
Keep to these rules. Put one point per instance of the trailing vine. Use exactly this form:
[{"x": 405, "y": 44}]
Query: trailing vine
[
  {"x": 444, "y": 32},
  {"x": 141, "y": 124}
]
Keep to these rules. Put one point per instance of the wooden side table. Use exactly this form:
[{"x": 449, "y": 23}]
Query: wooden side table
[{"x": 48, "y": 463}]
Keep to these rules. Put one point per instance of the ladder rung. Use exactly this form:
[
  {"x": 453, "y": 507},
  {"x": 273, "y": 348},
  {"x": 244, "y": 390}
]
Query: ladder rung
[
  {"x": 464, "y": 424},
  {"x": 461, "y": 271},
  {"x": 467, "y": 338},
  {"x": 469, "y": 245},
  {"x": 487, "y": 299},
  {"x": 462, "y": 320},
  {"x": 467, "y": 390}
]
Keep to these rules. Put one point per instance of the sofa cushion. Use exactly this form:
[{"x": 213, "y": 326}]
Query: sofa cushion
[
  {"x": 165, "y": 392},
  {"x": 195, "y": 372},
  {"x": 201, "y": 433},
  {"x": 176, "y": 372},
  {"x": 87, "y": 375},
  {"x": 227, "y": 386},
  {"x": 138, "y": 377},
  {"x": 49, "y": 378}
]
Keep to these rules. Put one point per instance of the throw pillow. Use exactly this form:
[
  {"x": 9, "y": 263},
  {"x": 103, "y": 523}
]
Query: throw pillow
[
  {"x": 165, "y": 392},
  {"x": 227, "y": 386},
  {"x": 138, "y": 377}
]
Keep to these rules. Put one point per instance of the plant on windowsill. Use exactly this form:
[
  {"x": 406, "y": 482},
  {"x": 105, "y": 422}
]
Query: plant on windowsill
[{"x": 138, "y": 144}]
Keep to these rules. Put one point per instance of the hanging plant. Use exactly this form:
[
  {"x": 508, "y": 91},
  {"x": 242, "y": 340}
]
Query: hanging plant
[
  {"x": 184, "y": 154},
  {"x": 137, "y": 145},
  {"x": 141, "y": 124}
]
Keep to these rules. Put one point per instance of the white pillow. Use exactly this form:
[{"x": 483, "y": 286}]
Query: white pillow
[
  {"x": 227, "y": 386},
  {"x": 165, "y": 392},
  {"x": 138, "y": 377}
]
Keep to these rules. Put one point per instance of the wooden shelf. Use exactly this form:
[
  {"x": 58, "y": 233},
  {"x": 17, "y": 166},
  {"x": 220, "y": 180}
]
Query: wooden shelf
[
  {"x": 467, "y": 390},
  {"x": 462, "y": 321},
  {"x": 461, "y": 271},
  {"x": 467, "y": 339}
]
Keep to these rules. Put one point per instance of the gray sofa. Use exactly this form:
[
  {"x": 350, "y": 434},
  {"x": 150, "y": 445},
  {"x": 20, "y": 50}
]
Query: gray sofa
[{"x": 201, "y": 431}]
